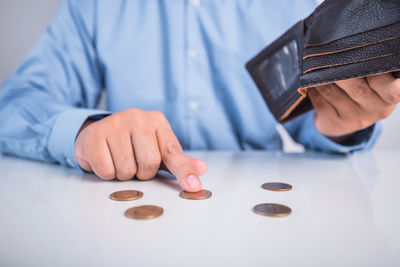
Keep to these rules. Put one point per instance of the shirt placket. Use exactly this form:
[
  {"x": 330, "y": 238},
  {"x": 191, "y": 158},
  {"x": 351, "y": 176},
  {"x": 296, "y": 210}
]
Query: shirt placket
[{"x": 192, "y": 56}]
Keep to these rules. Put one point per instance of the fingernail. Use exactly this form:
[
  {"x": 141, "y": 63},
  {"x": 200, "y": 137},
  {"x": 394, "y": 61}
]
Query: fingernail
[{"x": 193, "y": 182}]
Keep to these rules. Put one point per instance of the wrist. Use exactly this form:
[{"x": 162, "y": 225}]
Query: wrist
[
  {"x": 90, "y": 120},
  {"x": 84, "y": 125}
]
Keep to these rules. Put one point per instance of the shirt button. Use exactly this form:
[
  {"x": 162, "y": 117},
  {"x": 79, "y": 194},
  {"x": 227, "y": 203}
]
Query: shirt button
[
  {"x": 194, "y": 105},
  {"x": 192, "y": 53},
  {"x": 69, "y": 161},
  {"x": 195, "y": 2}
]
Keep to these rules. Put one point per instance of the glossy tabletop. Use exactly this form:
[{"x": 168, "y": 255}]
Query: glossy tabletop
[{"x": 345, "y": 212}]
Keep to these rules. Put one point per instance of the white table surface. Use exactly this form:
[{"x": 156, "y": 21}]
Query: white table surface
[{"x": 345, "y": 213}]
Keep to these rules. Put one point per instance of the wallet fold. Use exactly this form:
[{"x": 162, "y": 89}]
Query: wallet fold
[{"x": 341, "y": 39}]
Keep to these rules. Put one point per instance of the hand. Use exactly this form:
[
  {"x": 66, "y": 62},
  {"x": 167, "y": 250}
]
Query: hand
[
  {"x": 348, "y": 106},
  {"x": 135, "y": 142}
]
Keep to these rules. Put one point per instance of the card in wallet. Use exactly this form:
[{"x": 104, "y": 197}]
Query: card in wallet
[{"x": 341, "y": 39}]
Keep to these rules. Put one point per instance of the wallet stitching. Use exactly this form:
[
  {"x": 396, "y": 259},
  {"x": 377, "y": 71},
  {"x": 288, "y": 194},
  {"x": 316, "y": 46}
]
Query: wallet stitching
[
  {"x": 383, "y": 71},
  {"x": 384, "y": 28},
  {"x": 359, "y": 75},
  {"x": 338, "y": 65},
  {"x": 347, "y": 49}
]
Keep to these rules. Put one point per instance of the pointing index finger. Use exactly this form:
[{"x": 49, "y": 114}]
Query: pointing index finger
[{"x": 176, "y": 161}]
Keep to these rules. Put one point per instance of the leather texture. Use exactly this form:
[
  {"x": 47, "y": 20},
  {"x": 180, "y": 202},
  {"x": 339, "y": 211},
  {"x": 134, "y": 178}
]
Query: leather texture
[
  {"x": 341, "y": 39},
  {"x": 355, "y": 55},
  {"x": 336, "y": 19},
  {"x": 357, "y": 40}
]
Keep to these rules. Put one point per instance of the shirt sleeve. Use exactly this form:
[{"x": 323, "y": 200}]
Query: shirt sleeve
[
  {"x": 303, "y": 131},
  {"x": 55, "y": 89}
]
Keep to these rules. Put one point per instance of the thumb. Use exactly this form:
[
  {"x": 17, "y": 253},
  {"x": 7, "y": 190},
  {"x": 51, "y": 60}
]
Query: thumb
[{"x": 198, "y": 165}]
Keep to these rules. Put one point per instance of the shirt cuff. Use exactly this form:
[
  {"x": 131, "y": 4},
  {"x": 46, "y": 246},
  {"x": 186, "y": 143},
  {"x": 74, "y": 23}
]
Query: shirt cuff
[
  {"x": 363, "y": 139},
  {"x": 65, "y": 129}
]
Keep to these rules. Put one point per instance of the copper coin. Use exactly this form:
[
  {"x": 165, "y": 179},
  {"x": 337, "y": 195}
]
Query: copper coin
[
  {"x": 277, "y": 186},
  {"x": 203, "y": 194},
  {"x": 272, "y": 210},
  {"x": 144, "y": 212},
  {"x": 126, "y": 195}
]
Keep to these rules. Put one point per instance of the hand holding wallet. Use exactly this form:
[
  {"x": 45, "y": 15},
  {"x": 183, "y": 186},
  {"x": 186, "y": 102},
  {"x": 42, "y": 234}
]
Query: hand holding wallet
[{"x": 341, "y": 39}]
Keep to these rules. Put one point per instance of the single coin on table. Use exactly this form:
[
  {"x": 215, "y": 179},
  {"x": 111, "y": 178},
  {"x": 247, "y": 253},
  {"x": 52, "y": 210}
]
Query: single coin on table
[
  {"x": 272, "y": 210},
  {"x": 126, "y": 195},
  {"x": 144, "y": 212},
  {"x": 277, "y": 186},
  {"x": 203, "y": 194}
]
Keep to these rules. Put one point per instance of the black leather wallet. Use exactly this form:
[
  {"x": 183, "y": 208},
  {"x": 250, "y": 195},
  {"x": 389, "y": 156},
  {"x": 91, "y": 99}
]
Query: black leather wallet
[{"x": 341, "y": 39}]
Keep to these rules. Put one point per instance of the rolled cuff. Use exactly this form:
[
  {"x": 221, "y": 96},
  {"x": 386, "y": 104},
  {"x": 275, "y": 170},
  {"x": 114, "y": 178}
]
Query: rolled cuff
[{"x": 63, "y": 135}]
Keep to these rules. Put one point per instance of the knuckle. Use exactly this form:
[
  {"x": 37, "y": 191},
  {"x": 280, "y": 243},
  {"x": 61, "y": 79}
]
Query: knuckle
[
  {"x": 158, "y": 115},
  {"x": 132, "y": 111},
  {"x": 126, "y": 173},
  {"x": 133, "y": 114},
  {"x": 106, "y": 173},
  {"x": 171, "y": 149},
  {"x": 154, "y": 163},
  {"x": 103, "y": 170},
  {"x": 139, "y": 118},
  {"x": 393, "y": 97},
  {"x": 113, "y": 121}
]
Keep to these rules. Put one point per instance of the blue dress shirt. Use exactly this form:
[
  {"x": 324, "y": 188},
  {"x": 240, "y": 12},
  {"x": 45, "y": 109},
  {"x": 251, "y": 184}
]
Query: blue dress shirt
[{"x": 183, "y": 58}]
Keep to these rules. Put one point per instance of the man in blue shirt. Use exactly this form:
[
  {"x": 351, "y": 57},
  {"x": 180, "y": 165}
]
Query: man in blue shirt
[{"x": 174, "y": 76}]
